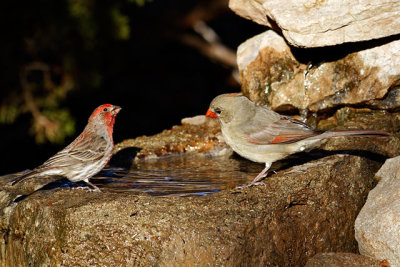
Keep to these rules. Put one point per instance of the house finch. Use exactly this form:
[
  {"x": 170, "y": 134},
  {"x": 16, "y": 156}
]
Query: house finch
[
  {"x": 86, "y": 155},
  {"x": 262, "y": 135}
]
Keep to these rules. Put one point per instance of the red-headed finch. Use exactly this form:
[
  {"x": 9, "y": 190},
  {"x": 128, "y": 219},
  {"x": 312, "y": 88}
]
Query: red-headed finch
[{"x": 86, "y": 155}]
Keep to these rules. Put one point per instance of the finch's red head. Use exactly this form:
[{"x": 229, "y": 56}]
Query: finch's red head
[
  {"x": 105, "y": 114},
  {"x": 106, "y": 109},
  {"x": 211, "y": 114}
]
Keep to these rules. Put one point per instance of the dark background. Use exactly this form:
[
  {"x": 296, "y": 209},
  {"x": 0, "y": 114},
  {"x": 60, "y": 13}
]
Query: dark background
[{"x": 153, "y": 75}]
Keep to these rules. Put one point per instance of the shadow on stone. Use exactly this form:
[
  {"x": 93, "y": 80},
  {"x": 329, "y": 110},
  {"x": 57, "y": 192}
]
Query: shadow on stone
[{"x": 124, "y": 157}]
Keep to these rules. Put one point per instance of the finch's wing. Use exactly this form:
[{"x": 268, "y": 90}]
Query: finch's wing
[
  {"x": 79, "y": 151},
  {"x": 281, "y": 130}
]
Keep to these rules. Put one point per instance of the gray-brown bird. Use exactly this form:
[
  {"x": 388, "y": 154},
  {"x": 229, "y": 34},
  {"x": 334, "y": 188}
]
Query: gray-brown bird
[{"x": 262, "y": 135}]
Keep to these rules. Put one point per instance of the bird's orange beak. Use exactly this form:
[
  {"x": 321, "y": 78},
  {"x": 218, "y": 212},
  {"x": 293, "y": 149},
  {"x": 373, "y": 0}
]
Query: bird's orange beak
[
  {"x": 211, "y": 114},
  {"x": 115, "y": 110}
]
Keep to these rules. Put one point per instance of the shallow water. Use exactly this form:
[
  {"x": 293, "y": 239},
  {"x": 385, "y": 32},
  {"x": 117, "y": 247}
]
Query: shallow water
[{"x": 178, "y": 176}]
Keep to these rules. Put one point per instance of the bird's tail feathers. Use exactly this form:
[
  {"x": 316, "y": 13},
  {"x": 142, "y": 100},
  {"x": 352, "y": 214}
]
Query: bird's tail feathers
[
  {"x": 336, "y": 133},
  {"x": 23, "y": 177}
]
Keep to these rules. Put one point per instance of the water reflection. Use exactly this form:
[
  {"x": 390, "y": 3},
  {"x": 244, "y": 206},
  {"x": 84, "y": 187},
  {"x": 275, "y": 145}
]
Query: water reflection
[{"x": 178, "y": 176}]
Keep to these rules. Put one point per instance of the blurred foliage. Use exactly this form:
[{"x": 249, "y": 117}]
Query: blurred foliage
[{"x": 50, "y": 48}]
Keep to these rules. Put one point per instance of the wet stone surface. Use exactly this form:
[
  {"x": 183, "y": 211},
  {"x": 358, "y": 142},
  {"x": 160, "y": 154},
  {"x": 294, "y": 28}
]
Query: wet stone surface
[
  {"x": 180, "y": 175},
  {"x": 303, "y": 210}
]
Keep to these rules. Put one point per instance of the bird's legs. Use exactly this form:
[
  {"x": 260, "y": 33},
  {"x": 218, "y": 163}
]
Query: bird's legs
[
  {"x": 93, "y": 186},
  {"x": 259, "y": 177}
]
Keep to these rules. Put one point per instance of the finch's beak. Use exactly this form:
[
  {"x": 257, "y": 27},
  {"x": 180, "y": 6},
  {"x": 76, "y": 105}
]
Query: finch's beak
[
  {"x": 115, "y": 110},
  {"x": 211, "y": 114}
]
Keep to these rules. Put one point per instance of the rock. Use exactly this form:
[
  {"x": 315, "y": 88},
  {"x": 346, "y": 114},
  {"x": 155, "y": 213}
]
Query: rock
[
  {"x": 266, "y": 64},
  {"x": 307, "y": 23},
  {"x": 270, "y": 74},
  {"x": 186, "y": 138},
  {"x": 341, "y": 260},
  {"x": 390, "y": 102},
  {"x": 362, "y": 118},
  {"x": 196, "y": 120},
  {"x": 350, "y": 118},
  {"x": 302, "y": 211},
  {"x": 8, "y": 193},
  {"x": 377, "y": 226}
]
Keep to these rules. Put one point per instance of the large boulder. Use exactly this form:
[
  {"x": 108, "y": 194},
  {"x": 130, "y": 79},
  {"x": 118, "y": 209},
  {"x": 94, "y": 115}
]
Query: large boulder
[
  {"x": 302, "y": 211},
  {"x": 272, "y": 74},
  {"x": 377, "y": 227},
  {"x": 306, "y": 23}
]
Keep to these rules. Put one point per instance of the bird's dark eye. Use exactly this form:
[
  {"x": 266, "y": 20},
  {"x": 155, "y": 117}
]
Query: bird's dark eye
[
  {"x": 218, "y": 111},
  {"x": 105, "y": 109}
]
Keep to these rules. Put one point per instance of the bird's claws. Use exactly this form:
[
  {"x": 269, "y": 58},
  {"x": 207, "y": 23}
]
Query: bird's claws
[{"x": 87, "y": 188}]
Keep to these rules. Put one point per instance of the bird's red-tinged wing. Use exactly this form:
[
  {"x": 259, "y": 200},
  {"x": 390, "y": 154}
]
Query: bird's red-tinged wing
[
  {"x": 285, "y": 130},
  {"x": 81, "y": 150}
]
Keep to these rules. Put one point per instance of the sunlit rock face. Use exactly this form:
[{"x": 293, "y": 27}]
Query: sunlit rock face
[
  {"x": 377, "y": 225},
  {"x": 317, "y": 23},
  {"x": 272, "y": 73}
]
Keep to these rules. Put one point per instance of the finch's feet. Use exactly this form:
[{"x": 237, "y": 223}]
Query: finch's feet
[
  {"x": 87, "y": 188},
  {"x": 91, "y": 187},
  {"x": 95, "y": 188},
  {"x": 256, "y": 180}
]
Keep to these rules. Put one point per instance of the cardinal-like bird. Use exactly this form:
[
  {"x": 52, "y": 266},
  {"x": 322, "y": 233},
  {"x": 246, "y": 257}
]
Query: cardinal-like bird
[{"x": 262, "y": 135}]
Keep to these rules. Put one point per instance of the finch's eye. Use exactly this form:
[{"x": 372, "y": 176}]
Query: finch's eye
[
  {"x": 105, "y": 109},
  {"x": 218, "y": 111}
]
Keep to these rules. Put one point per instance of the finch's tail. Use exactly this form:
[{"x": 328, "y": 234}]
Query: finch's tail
[
  {"x": 335, "y": 133},
  {"x": 23, "y": 177}
]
